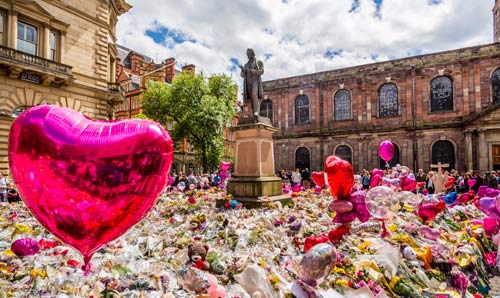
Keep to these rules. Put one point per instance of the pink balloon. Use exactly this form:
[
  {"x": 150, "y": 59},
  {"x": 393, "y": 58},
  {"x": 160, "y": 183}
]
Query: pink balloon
[
  {"x": 87, "y": 182},
  {"x": 212, "y": 281},
  {"x": 220, "y": 292},
  {"x": 341, "y": 206},
  {"x": 496, "y": 239},
  {"x": 393, "y": 183},
  {"x": 488, "y": 206},
  {"x": 408, "y": 183},
  {"x": 25, "y": 247},
  {"x": 386, "y": 150},
  {"x": 225, "y": 165},
  {"x": 481, "y": 191},
  {"x": 490, "y": 226},
  {"x": 471, "y": 182}
]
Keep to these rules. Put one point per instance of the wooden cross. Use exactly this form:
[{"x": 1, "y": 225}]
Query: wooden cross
[{"x": 439, "y": 166}]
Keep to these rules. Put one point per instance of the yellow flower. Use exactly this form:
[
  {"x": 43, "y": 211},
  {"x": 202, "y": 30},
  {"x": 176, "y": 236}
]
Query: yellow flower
[
  {"x": 37, "y": 272},
  {"x": 21, "y": 229},
  {"x": 9, "y": 253},
  {"x": 364, "y": 246},
  {"x": 392, "y": 228},
  {"x": 394, "y": 282},
  {"x": 262, "y": 263},
  {"x": 273, "y": 279},
  {"x": 342, "y": 282},
  {"x": 339, "y": 270}
]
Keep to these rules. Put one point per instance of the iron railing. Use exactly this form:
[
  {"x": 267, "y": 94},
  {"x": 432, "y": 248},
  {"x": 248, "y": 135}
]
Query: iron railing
[{"x": 7, "y": 53}]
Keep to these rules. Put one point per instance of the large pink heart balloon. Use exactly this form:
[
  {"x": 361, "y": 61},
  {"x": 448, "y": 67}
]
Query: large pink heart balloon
[{"x": 87, "y": 182}]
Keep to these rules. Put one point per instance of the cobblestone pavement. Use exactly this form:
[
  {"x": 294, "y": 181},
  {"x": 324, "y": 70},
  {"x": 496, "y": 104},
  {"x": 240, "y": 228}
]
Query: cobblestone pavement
[{"x": 495, "y": 287}]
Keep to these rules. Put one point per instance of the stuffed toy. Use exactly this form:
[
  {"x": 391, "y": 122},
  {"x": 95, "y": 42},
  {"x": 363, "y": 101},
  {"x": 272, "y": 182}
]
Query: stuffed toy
[{"x": 197, "y": 252}]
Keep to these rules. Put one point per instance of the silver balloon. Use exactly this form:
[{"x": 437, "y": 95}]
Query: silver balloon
[{"x": 317, "y": 263}]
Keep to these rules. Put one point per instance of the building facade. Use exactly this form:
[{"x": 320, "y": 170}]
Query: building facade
[
  {"x": 441, "y": 107},
  {"x": 133, "y": 70},
  {"x": 57, "y": 52}
]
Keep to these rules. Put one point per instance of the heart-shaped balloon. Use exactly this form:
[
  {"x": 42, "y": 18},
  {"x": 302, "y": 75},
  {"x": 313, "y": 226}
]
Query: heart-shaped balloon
[
  {"x": 87, "y": 182},
  {"x": 481, "y": 191},
  {"x": 488, "y": 206},
  {"x": 225, "y": 165},
  {"x": 313, "y": 240},
  {"x": 471, "y": 182},
  {"x": 341, "y": 206},
  {"x": 490, "y": 226},
  {"x": 408, "y": 183},
  {"x": 318, "y": 178},
  {"x": 340, "y": 176},
  {"x": 376, "y": 177}
]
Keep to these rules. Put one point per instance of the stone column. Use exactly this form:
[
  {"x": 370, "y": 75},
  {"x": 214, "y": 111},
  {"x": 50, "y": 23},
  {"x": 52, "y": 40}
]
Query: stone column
[
  {"x": 62, "y": 47},
  {"x": 483, "y": 152},
  {"x": 45, "y": 46},
  {"x": 12, "y": 30},
  {"x": 360, "y": 157},
  {"x": 468, "y": 151}
]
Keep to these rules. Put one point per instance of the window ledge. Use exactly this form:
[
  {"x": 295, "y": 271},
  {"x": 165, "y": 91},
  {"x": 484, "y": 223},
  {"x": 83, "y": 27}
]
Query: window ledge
[{"x": 442, "y": 112}]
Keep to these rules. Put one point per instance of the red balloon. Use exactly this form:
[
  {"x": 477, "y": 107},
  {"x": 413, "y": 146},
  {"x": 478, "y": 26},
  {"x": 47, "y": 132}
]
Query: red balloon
[
  {"x": 313, "y": 240},
  {"x": 318, "y": 178},
  {"x": 341, "y": 206},
  {"x": 87, "y": 182},
  {"x": 340, "y": 176}
]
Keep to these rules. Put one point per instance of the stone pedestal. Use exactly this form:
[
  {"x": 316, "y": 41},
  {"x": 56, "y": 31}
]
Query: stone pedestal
[{"x": 254, "y": 182}]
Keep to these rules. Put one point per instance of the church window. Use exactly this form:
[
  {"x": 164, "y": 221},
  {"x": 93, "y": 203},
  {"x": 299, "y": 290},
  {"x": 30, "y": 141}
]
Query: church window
[{"x": 441, "y": 94}]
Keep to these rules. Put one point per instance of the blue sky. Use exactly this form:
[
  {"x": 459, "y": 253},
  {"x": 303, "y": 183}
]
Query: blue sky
[{"x": 295, "y": 37}]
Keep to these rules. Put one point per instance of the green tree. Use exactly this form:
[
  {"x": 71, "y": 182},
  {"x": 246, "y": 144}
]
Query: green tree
[{"x": 200, "y": 108}]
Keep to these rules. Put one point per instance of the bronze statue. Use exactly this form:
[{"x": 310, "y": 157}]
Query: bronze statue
[{"x": 252, "y": 85}]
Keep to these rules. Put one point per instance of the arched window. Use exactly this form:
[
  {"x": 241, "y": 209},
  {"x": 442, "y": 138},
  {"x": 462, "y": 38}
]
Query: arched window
[
  {"x": 388, "y": 100},
  {"x": 266, "y": 109},
  {"x": 342, "y": 105},
  {"x": 441, "y": 94},
  {"x": 396, "y": 159},
  {"x": 302, "y": 109},
  {"x": 344, "y": 152},
  {"x": 443, "y": 152},
  {"x": 495, "y": 85},
  {"x": 302, "y": 158},
  {"x": 17, "y": 111}
]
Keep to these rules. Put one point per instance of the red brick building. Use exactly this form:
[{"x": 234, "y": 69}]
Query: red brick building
[
  {"x": 440, "y": 107},
  {"x": 133, "y": 70}
]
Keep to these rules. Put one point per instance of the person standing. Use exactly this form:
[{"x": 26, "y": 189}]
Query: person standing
[
  {"x": 306, "y": 178},
  {"x": 3, "y": 187},
  {"x": 365, "y": 180},
  {"x": 421, "y": 176},
  {"x": 296, "y": 177}
]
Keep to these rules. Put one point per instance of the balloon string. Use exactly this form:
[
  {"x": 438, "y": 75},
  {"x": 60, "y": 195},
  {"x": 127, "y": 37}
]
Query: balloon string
[
  {"x": 385, "y": 233},
  {"x": 86, "y": 266}
]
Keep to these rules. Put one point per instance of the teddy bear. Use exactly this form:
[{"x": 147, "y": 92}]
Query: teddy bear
[
  {"x": 410, "y": 254},
  {"x": 197, "y": 252}
]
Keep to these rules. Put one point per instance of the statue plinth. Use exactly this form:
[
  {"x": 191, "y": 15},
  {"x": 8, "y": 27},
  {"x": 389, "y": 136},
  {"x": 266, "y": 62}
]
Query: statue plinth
[{"x": 254, "y": 182}]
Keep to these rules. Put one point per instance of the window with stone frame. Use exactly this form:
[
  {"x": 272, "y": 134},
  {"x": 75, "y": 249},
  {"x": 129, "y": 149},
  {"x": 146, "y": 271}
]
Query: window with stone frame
[
  {"x": 495, "y": 86},
  {"x": 302, "y": 109},
  {"x": 441, "y": 94},
  {"x": 2, "y": 14},
  {"x": 344, "y": 152},
  {"x": 53, "y": 45},
  {"x": 342, "y": 105},
  {"x": 388, "y": 100},
  {"x": 302, "y": 158},
  {"x": 443, "y": 151},
  {"x": 266, "y": 109},
  {"x": 27, "y": 38},
  {"x": 395, "y": 158}
]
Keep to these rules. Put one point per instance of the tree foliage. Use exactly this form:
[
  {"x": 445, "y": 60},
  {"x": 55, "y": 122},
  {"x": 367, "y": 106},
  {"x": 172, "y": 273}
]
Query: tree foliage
[{"x": 199, "y": 107}]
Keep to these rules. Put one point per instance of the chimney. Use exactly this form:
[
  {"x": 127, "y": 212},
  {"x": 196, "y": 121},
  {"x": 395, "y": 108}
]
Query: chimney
[
  {"x": 136, "y": 61},
  {"x": 170, "y": 70},
  {"x": 189, "y": 67}
]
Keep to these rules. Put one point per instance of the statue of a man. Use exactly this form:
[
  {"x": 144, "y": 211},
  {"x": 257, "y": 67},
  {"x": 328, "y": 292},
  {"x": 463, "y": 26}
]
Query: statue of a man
[{"x": 252, "y": 85}]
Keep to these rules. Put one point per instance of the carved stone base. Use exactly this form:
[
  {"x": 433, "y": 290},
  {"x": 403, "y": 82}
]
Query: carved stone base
[
  {"x": 253, "y": 192},
  {"x": 257, "y": 203},
  {"x": 251, "y": 119}
]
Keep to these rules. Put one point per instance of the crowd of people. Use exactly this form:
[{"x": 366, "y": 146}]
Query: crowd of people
[
  {"x": 192, "y": 181},
  {"x": 426, "y": 181}
]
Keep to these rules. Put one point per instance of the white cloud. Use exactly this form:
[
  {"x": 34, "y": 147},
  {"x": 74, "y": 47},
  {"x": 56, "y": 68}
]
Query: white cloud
[{"x": 298, "y": 33}]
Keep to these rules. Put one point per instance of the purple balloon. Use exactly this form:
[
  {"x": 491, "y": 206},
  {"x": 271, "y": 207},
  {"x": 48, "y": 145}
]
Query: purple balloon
[
  {"x": 393, "y": 183},
  {"x": 489, "y": 207},
  {"x": 386, "y": 150},
  {"x": 481, "y": 190},
  {"x": 317, "y": 263},
  {"x": 492, "y": 193},
  {"x": 25, "y": 247}
]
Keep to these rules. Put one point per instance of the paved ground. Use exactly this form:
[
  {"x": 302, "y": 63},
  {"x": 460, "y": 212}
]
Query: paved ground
[{"x": 495, "y": 287}]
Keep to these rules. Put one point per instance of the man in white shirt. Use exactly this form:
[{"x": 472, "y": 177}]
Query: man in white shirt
[
  {"x": 3, "y": 188},
  {"x": 296, "y": 177}
]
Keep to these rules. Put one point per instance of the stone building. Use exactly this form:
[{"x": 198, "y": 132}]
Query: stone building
[
  {"x": 441, "y": 107},
  {"x": 57, "y": 52},
  {"x": 133, "y": 70}
]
